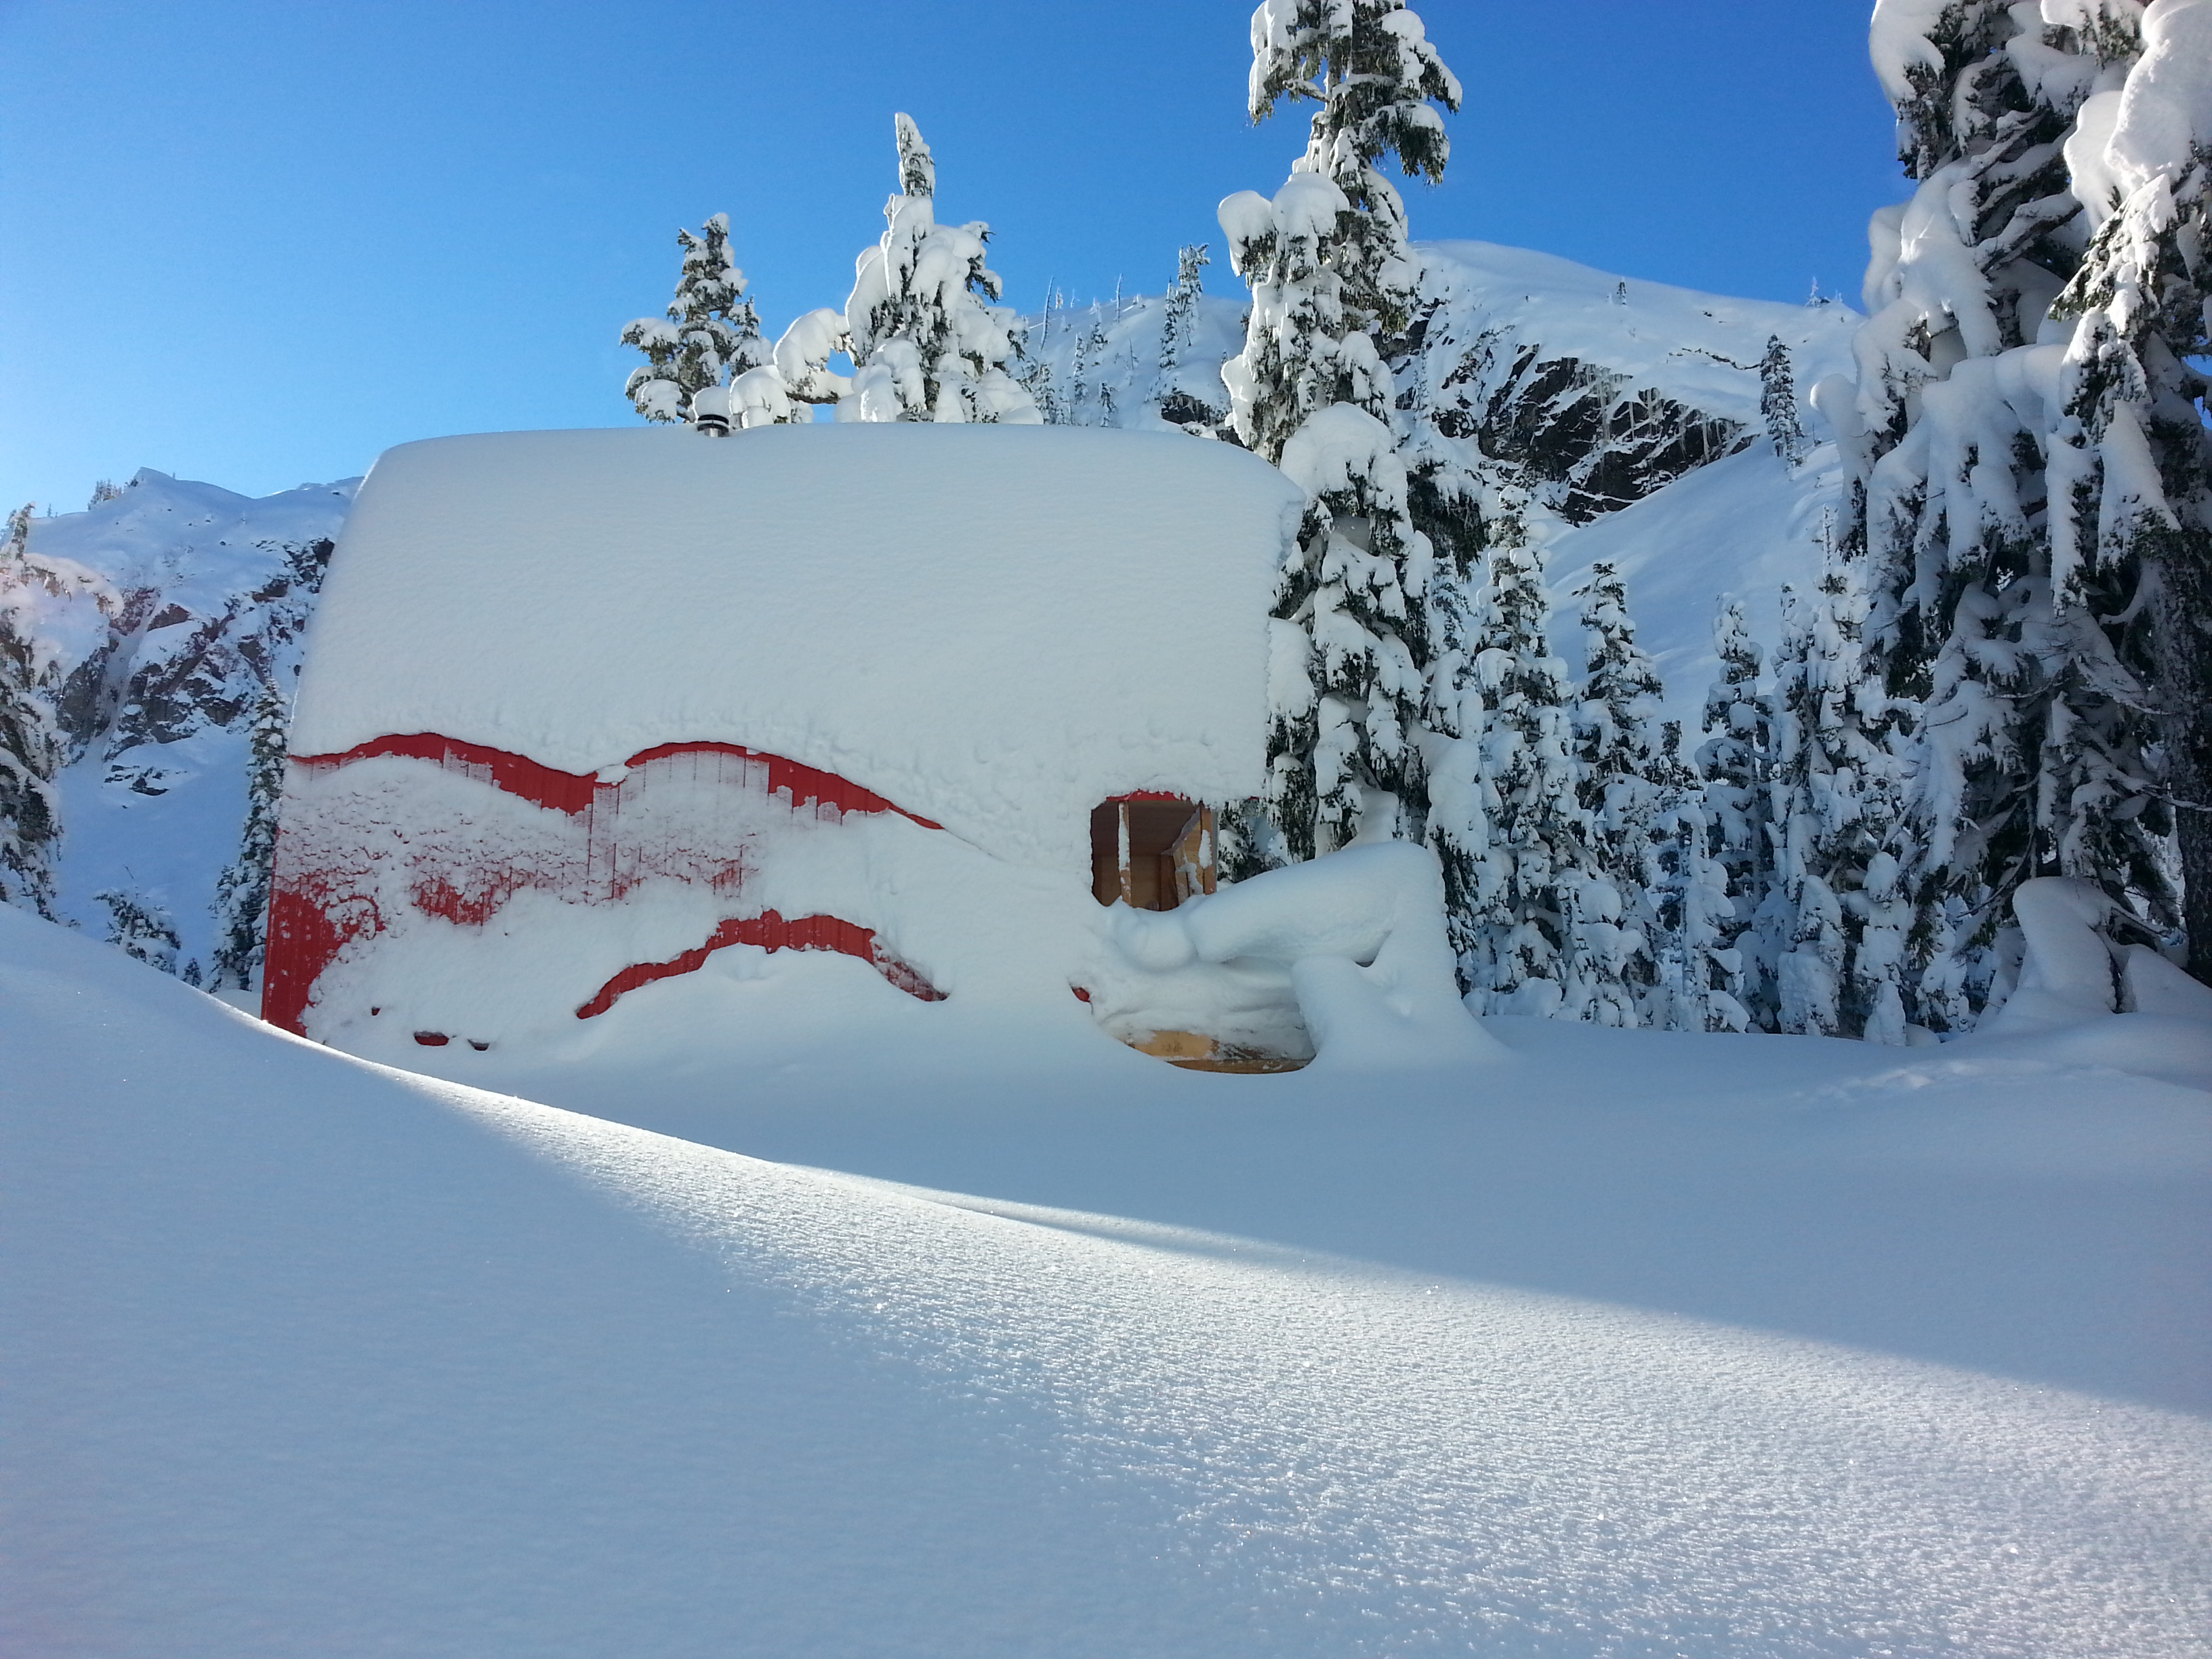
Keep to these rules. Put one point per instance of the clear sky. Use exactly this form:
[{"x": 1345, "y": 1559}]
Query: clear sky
[{"x": 256, "y": 241}]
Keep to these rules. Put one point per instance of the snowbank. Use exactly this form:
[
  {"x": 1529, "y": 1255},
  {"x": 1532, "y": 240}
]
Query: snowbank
[
  {"x": 995, "y": 629},
  {"x": 320, "y": 1358}
]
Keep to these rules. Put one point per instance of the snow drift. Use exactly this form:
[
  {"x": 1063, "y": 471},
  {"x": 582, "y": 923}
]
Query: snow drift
[{"x": 318, "y": 1357}]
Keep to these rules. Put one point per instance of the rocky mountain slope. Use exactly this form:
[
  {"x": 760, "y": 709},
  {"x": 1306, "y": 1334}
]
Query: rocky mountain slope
[{"x": 162, "y": 622}]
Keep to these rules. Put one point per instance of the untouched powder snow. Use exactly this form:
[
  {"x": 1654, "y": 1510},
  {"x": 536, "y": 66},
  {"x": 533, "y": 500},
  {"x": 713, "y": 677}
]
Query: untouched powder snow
[
  {"x": 314, "y": 1356},
  {"x": 994, "y": 628},
  {"x": 1767, "y": 519}
]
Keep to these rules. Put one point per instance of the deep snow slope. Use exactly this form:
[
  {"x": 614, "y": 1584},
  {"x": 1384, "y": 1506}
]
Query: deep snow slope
[
  {"x": 1623, "y": 415},
  {"x": 317, "y": 1357},
  {"x": 1591, "y": 391},
  {"x": 163, "y": 617},
  {"x": 1626, "y": 415}
]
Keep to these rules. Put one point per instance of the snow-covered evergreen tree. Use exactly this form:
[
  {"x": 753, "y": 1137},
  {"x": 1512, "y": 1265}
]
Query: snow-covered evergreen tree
[
  {"x": 1528, "y": 925},
  {"x": 1178, "y": 318},
  {"x": 1778, "y": 403},
  {"x": 1697, "y": 968},
  {"x": 2027, "y": 749},
  {"x": 1616, "y": 979},
  {"x": 241, "y": 901},
  {"x": 1368, "y": 68},
  {"x": 710, "y": 336},
  {"x": 30, "y": 746},
  {"x": 1328, "y": 264},
  {"x": 1836, "y": 817},
  {"x": 926, "y": 343},
  {"x": 2131, "y": 474},
  {"x": 140, "y": 926},
  {"x": 1736, "y": 762}
]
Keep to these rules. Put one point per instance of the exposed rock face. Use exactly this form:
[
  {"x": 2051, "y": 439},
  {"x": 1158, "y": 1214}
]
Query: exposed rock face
[
  {"x": 165, "y": 673},
  {"x": 1582, "y": 392},
  {"x": 1582, "y": 438}
]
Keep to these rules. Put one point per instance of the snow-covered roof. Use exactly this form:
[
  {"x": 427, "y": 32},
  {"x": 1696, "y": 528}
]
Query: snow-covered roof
[{"x": 994, "y": 627}]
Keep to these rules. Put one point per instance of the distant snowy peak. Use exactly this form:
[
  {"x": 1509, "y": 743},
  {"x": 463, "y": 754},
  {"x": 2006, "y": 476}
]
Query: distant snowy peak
[
  {"x": 1591, "y": 391},
  {"x": 180, "y": 589},
  {"x": 1586, "y": 389}
]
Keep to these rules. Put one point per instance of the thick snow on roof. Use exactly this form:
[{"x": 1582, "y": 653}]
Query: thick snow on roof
[{"x": 994, "y": 628}]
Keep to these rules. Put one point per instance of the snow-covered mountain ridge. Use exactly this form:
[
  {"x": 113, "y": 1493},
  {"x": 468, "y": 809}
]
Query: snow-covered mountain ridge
[
  {"x": 1558, "y": 373},
  {"x": 161, "y": 622}
]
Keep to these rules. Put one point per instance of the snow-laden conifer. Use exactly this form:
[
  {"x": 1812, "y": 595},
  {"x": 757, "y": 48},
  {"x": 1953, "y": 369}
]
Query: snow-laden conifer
[
  {"x": 1736, "y": 762},
  {"x": 1696, "y": 966},
  {"x": 1369, "y": 68},
  {"x": 1530, "y": 921},
  {"x": 141, "y": 926},
  {"x": 2131, "y": 468},
  {"x": 1327, "y": 261},
  {"x": 2027, "y": 737},
  {"x": 1179, "y": 318},
  {"x": 1835, "y": 812},
  {"x": 241, "y": 894},
  {"x": 926, "y": 342},
  {"x": 1778, "y": 403},
  {"x": 30, "y": 743},
  {"x": 1613, "y": 974},
  {"x": 710, "y": 336}
]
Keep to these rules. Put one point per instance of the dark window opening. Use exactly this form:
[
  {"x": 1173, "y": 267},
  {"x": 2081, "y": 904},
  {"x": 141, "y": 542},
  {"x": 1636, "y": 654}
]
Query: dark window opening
[{"x": 1152, "y": 851}]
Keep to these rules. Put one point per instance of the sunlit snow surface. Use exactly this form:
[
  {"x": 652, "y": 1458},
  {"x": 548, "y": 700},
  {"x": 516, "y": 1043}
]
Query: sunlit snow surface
[{"x": 314, "y": 1356}]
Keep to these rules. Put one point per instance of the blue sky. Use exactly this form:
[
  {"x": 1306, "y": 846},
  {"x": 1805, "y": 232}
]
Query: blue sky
[{"x": 256, "y": 241}]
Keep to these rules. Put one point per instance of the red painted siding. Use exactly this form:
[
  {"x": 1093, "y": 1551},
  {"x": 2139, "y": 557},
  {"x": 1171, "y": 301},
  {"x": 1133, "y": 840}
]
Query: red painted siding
[{"x": 322, "y": 902}]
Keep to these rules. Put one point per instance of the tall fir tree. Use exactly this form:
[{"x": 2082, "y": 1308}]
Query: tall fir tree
[
  {"x": 2030, "y": 754},
  {"x": 1525, "y": 924},
  {"x": 241, "y": 895},
  {"x": 1179, "y": 320},
  {"x": 926, "y": 340},
  {"x": 30, "y": 743},
  {"x": 1778, "y": 403},
  {"x": 1737, "y": 764},
  {"x": 2131, "y": 467},
  {"x": 1354, "y": 688},
  {"x": 1836, "y": 819},
  {"x": 1619, "y": 788},
  {"x": 710, "y": 336},
  {"x": 1698, "y": 968}
]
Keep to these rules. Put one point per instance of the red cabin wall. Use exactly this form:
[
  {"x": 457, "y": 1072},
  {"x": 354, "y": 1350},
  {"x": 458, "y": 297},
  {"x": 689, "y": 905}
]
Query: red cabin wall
[{"x": 321, "y": 900}]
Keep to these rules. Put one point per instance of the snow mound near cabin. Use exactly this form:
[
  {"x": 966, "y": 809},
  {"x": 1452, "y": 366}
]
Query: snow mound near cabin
[
  {"x": 322, "y": 1357},
  {"x": 995, "y": 628}
]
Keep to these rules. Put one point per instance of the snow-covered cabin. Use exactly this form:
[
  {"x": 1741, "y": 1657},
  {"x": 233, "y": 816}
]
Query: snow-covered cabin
[{"x": 581, "y": 709}]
